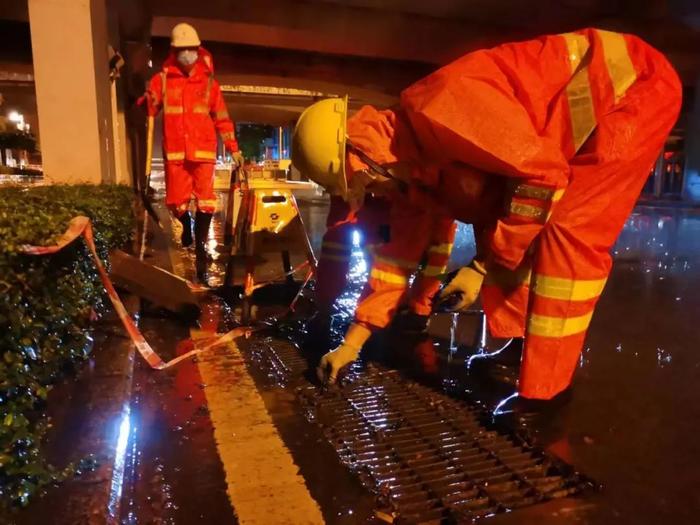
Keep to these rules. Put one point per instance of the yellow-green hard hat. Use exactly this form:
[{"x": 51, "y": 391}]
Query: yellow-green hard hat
[{"x": 318, "y": 144}]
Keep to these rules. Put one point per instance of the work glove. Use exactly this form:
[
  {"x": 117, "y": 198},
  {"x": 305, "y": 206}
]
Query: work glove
[
  {"x": 462, "y": 290},
  {"x": 345, "y": 354},
  {"x": 238, "y": 159}
]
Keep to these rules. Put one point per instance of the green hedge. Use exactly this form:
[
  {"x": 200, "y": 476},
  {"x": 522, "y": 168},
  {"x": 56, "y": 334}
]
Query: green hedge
[{"x": 46, "y": 305}]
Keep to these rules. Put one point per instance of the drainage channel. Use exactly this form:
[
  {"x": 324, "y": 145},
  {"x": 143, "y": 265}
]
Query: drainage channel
[{"x": 428, "y": 457}]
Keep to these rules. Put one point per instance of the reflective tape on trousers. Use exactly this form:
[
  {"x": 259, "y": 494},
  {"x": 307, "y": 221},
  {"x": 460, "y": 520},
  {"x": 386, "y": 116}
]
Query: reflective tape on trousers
[
  {"x": 547, "y": 326},
  {"x": 81, "y": 226},
  {"x": 567, "y": 289}
]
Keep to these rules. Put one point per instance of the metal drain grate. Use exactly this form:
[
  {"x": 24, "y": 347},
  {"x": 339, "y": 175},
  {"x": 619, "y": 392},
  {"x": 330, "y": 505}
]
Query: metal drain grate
[
  {"x": 283, "y": 362},
  {"x": 428, "y": 456}
]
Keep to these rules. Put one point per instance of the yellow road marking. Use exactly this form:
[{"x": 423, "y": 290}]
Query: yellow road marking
[{"x": 263, "y": 482}]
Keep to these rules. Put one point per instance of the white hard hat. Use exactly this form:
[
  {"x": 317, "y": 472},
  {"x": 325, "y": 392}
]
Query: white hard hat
[{"x": 184, "y": 35}]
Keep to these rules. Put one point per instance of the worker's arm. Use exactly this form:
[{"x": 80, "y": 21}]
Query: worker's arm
[
  {"x": 410, "y": 234},
  {"x": 153, "y": 98},
  {"x": 336, "y": 252},
  {"x": 391, "y": 268},
  {"x": 222, "y": 122},
  {"x": 437, "y": 256}
]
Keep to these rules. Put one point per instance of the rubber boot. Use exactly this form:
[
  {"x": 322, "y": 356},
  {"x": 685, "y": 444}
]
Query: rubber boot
[
  {"x": 516, "y": 410},
  {"x": 202, "y": 222},
  {"x": 502, "y": 366},
  {"x": 186, "y": 221}
]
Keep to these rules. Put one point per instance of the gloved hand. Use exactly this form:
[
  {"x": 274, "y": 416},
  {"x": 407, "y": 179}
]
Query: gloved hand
[
  {"x": 346, "y": 353},
  {"x": 464, "y": 287},
  {"x": 238, "y": 159}
]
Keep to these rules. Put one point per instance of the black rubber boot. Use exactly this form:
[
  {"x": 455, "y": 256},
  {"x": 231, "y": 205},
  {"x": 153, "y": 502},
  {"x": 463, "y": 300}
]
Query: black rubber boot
[
  {"x": 202, "y": 221},
  {"x": 517, "y": 410},
  {"x": 186, "y": 221},
  {"x": 502, "y": 366}
]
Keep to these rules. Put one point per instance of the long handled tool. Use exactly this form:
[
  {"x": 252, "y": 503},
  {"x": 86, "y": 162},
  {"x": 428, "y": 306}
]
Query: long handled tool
[{"x": 149, "y": 153}]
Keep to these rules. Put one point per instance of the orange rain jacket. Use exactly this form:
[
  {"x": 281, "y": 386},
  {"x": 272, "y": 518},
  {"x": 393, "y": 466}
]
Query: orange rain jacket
[
  {"x": 193, "y": 110},
  {"x": 544, "y": 146}
]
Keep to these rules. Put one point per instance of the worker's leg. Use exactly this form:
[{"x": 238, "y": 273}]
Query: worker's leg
[
  {"x": 572, "y": 258},
  {"x": 333, "y": 265},
  {"x": 203, "y": 178},
  {"x": 334, "y": 261},
  {"x": 178, "y": 192},
  {"x": 203, "y": 185}
]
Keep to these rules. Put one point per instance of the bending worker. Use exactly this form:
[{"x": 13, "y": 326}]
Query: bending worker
[
  {"x": 193, "y": 112},
  {"x": 543, "y": 145}
]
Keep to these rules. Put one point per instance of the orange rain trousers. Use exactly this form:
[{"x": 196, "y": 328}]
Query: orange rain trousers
[{"x": 184, "y": 179}]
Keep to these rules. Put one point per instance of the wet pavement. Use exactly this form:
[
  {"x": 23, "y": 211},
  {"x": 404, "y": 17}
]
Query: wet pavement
[
  {"x": 634, "y": 417},
  {"x": 631, "y": 425}
]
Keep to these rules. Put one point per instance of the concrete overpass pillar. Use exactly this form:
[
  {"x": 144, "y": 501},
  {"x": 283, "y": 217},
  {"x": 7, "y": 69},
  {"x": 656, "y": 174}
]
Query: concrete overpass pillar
[{"x": 71, "y": 70}]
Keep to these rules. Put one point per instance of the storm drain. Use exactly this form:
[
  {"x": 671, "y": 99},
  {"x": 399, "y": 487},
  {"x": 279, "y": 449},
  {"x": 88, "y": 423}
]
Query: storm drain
[{"x": 427, "y": 456}]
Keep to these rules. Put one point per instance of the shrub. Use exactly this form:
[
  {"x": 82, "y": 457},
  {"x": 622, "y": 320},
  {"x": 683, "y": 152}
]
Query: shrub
[{"x": 46, "y": 307}]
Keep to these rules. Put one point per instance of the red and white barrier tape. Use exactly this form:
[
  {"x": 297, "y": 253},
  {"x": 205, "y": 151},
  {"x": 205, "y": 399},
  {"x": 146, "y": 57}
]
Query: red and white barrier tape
[{"x": 81, "y": 226}]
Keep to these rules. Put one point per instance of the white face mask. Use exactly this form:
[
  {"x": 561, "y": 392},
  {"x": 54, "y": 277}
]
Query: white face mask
[{"x": 187, "y": 57}]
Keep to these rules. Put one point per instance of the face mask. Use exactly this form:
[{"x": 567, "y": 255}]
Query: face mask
[{"x": 187, "y": 57}]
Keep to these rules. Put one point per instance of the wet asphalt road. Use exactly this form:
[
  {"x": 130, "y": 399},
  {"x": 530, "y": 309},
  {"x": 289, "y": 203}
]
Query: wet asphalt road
[{"x": 631, "y": 426}]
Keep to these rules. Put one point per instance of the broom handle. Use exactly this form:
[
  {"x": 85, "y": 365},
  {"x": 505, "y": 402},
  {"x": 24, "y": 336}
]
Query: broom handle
[{"x": 149, "y": 148}]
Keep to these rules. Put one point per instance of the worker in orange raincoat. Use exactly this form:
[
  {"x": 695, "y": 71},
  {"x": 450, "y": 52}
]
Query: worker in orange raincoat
[
  {"x": 564, "y": 128},
  {"x": 194, "y": 111},
  {"x": 372, "y": 221}
]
